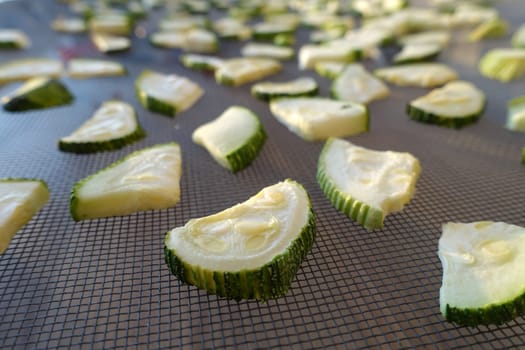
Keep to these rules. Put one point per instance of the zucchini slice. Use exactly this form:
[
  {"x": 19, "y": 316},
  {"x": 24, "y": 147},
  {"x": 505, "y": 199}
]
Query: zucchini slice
[
  {"x": 89, "y": 67},
  {"x": 357, "y": 85},
  {"x": 267, "y": 50},
  {"x": 483, "y": 272},
  {"x": 454, "y": 105},
  {"x": 144, "y": 180},
  {"x": 438, "y": 37},
  {"x": 364, "y": 184},
  {"x": 238, "y": 71},
  {"x": 232, "y": 28},
  {"x": 518, "y": 38},
  {"x": 249, "y": 251},
  {"x": 168, "y": 39},
  {"x": 27, "y": 68},
  {"x": 201, "y": 62},
  {"x": 298, "y": 87},
  {"x": 166, "y": 94},
  {"x": 106, "y": 43},
  {"x": 233, "y": 139},
  {"x": 267, "y": 31},
  {"x": 113, "y": 126},
  {"x": 417, "y": 53},
  {"x": 112, "y": 23},
  {"x": 69, "y": 25},
  {"x": 516, "y": 114},
  {"x": 20, "y": 200},
  {"x": 310, "y": 55},
  {"x": 13, "y": 39},
  {"x": 200, "y": 40},
  {"x": 494, "y": 28},
  {"x": 318, "y": 118},
  {"x": 37, "y": 93},
  {"x": 503, "y": 64},
  {"x": 417, "y": 74},
  {"x": 329, "y": 69}
]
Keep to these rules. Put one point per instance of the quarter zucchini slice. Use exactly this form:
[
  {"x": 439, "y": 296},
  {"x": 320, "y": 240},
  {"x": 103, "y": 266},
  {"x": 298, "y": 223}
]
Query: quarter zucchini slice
[
  {"x": 250, "y": 251},
  {"x": 201, "y": 62},
  {"x": 298, "y": 87},
  {"x": 20, "y": 200},
  {"x": 454, "y": 105},
  {"x": 89, "y": 67},
  {"x": 107, "y": 43},
  {"x": 37, "y": 93},
  {"x": 267, "y": 50},
  {"x": 318, "y": 118},
  {"x": 417, "y": 53},
  {"x": 364, "y": 184},
  {"x": 27, "y": 68},
  {"x": 113, "y": 126},
  {"x": 238, "y": 71},
  {"x": 166, "y": 94},
  {"x": 516, "y": 114},
  {"x": 233, "y": 139},
  {"x": 483, "y": 272},
  {"x": 357, "y": 85},
  {"x": 503, "y": 64},
  {"x": 13, "y": 39},
  {"x": 417, "y": 74},
  {"x": 144, "y": 180}
]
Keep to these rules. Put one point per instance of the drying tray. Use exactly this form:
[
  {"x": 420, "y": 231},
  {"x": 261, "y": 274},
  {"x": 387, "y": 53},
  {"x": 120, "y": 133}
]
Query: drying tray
[{"x": 104, "y": 284}]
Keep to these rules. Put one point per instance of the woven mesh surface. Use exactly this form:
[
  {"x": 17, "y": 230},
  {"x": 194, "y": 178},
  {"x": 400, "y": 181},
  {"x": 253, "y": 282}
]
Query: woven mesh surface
[{"x": 104, "y": 284}]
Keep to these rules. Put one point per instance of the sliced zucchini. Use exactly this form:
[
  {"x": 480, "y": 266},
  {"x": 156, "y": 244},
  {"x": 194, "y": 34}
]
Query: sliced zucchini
[
  {"x": 483, "y": 272},
  {"x": 364, "y": 184},
  {"x": 106, "y": 43},
  {"x": 310, "y": 55},
  {"x": 330, "y": 70},
  {"x": 438, "y": 37},
  {"x": 37, "y": 93},
  {"x": 181, "y": 23},
  {"x": 112, "y": 23},
  {"x": 417, "y": 53},
  {"x": 20, "y": 200},
  {"x": 326, "y": 35},
  {"x": 298, "y": 87},
  {"x": 166, "y": 94},
  {"x": 201, "y": 62},
  {"x": 369, "y": 37},
  {"x": 518, "y": 38},
  {"x": 503, "y": 64},
  {"x": 318, "y": 118},
  {"x": 200, "y": 41},
  {"x": 69, "y": 25},
  {"x": 90, "y": 67},
  {"x": 377, "y": 8},
  {"x": 250, "y": 251},
  {"x": 26, "y": 68},
  {"x": 267, "y": 31},
  {"x": 233, "y": 139},
  {"x": 494, "y": 28},
  {"x": 13, "y": 39},
  {"x": 284, "y": 40},
  {"x": 267, "y": 50},
  {"x": 417, "y": 74},
  {"x": 113, "y": 126},
  {"x": 516, "y": 114},
  {"x": 144, "y": 180},
  {"x": 472, "y": 15},
  {"x": 232, "y": 28},
  {"x": 238, "y": 71},
  {"x": 357, "y": 85},
  {"x": 454, "y": 105},
  {"x": 169, "y": 39}
]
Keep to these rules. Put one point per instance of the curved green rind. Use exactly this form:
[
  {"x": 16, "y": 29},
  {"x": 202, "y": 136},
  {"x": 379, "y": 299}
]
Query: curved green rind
[
  {"x": 246, "y": 154},
  {"x": 270, "y": 281},
  {"x": 154, "y": 104},
  {"x": 267, "y": 96},
  {"x": 365, "y": 215},
  {"x": 10, "y": 45},
  {"x": 491, "y": 314},
  {"x": 101, "y": 146},
  {"x": 51, "y": 93},
  {"x": 426, "y": 58},
  {"x": 430, "y": 118}
]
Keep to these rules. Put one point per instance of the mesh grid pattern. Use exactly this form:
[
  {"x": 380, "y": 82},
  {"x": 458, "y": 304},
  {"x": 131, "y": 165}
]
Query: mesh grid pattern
[{"x": 104, "y": 284}]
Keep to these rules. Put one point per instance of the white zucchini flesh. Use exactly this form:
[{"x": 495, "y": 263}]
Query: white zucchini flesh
[
  {"x": 330, "y": 69},
  {"x": 482, "y": 265},
  {"x": 200, "y": 61},
  {"x": 172, "y": 89},
  {"x": 26, "y": 68},
  {"x": 384, "y": 180},
  {"x": 88, "y": 67},
  {"x": 457, "y": 99},
  {"x": 310, "y": 55},
  {"x": 110, "y": 43},
  {"x": 227, "y": 27},
  {"x": 357, "y": 85},
  {"x": 417, "y": 52},
  {"x": 294, "y": 87},
  {"x": 182, "y": 23},
  {"x": 247, "y": 235},
  {"x": 201, "y": 41},
  {"x": 145, "y": 180},
  {"x": 69, "y": 25},
  {"x": 438, "y": 37},
  {"x": 114, "y": 119},
  {"x": 267, "y": 50},
  {"x": 169, "y": 39},
  {"x": 237, "y": 71},
  {"x": 516, "y": 114},
  {"x": 15, "y": 38},
  {"x": 227, "y": 133},
  {"x": 418, "y": 74},
  {"x": 20, "y": 200},
  {"x": 318, "y": 118},
  {"x": 270, "y": 28},
  {"x": 110, "y": 23},
  {"x": 518, "y": 38}
]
